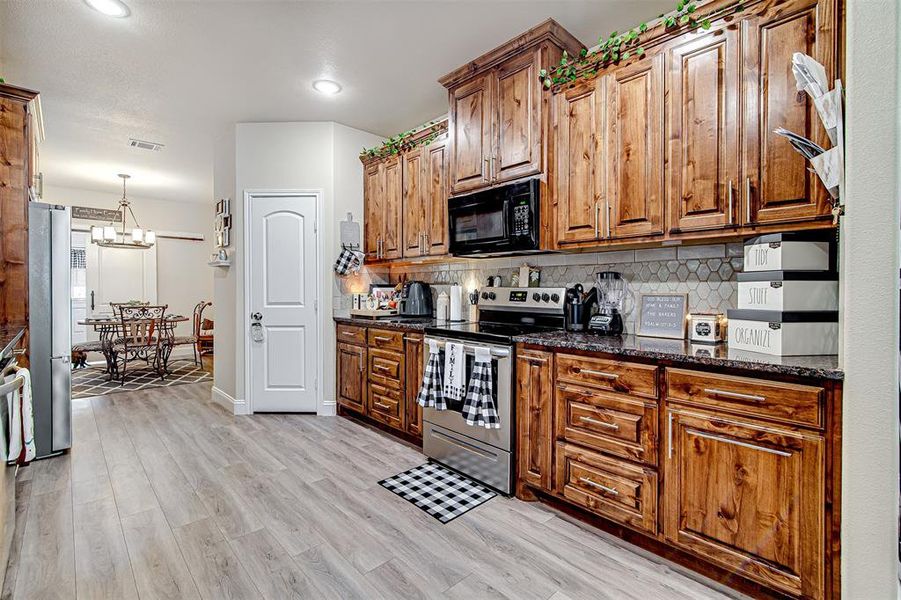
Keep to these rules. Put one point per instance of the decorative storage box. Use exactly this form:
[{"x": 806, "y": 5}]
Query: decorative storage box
[
  {"x": 784, "y": 333},
  {"x": 801, "y": 251},
  {"x": 788, "y": 290},
  {"x": 706, "y": 328}
]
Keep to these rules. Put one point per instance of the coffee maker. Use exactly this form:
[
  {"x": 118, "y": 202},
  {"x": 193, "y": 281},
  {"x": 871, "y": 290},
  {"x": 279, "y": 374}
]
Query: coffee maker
[{"x": 610, "y": 292}]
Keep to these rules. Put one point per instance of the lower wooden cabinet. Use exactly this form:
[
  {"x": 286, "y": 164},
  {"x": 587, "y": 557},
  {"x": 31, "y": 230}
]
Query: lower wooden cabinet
[
  {"x": 749, "y": 497},
  {"x": 413, "y": 380},
  {"x": 386, "y": 405},
  {"x": 534, "y": 414},
  {"x": 352, "y": 377}
]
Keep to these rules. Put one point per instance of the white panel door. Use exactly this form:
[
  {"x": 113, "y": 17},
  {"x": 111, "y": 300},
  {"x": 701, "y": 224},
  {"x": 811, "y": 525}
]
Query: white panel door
[{"x": 284, "y": 347}]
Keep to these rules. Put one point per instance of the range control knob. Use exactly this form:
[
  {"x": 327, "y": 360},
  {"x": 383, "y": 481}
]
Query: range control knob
[
  {"x": 555, "y": 297},
  {"x": 546, "y": 297},
  {"x": 536, "y": 296},
  {"x": 484, "y": 295},
  {"x": 492, "y": 295}
]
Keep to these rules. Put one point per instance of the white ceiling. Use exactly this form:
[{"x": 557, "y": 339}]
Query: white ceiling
[{"x": 181, "y": 72}]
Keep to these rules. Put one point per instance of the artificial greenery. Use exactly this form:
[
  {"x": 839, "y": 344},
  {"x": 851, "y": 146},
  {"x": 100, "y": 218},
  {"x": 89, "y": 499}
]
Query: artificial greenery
[
  {"x": 404, "y": 141},
  {"x": 621, "y": 46}
]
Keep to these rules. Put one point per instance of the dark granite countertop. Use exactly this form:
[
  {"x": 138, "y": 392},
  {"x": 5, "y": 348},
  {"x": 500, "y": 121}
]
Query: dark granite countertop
[
  {"x": 404, "y": 324},
  {"x": 682, "y": 351},
  {"x": 9, "y": 337}
]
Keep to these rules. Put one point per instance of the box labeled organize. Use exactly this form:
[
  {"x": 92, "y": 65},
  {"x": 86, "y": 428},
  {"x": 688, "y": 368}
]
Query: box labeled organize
[
  {"x": 801, "y": 251},
  {"x": 788, "y": 290},
  {"x": 784, "y": 333}
]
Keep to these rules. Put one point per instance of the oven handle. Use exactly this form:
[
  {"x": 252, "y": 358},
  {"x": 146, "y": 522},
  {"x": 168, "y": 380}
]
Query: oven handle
[{"x": 471, "y": 350}]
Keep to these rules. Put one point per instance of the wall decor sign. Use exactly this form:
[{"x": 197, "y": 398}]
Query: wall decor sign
[
  {"x": 223, "y": 223},
  {"x": 96, "y": 214},
  {"x": 663, "y": 315}
]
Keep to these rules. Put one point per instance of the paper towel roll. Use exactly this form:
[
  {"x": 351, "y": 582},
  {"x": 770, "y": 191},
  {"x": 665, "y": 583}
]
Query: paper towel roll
[{"x": 456, "y": 302}]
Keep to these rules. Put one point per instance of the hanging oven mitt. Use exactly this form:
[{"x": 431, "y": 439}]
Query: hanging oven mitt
[
  {"x": 348, "y": 262},
  {"x": 479, "y": 409},
  {"x": 431, "y": 393}
]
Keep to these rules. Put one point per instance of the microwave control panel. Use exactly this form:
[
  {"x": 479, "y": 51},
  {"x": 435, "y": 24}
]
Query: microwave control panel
[{"x": 522, "y": 217}]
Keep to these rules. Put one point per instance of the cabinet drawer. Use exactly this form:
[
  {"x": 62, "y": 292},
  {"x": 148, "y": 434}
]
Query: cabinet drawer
[
  {"x": 605, "y": 374},
  {"x": 609, "y": 487},
  {"x": 385, "y": 405},
  {"x": 387, "y": 340},
  {"x": 789, "y": 402},
  {"x": 350, "y": 334},
  {"x": 615, "y": 424},
  {"x": 386, "y": 368}
]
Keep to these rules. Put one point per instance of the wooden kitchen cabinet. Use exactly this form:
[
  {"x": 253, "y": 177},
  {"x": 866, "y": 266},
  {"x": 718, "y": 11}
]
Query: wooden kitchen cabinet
[
  {"x": 534, "y": 414},
  {"x": 518, "y": 134},
  {"x": 634, "y": 139},
  {"x": 425, "y": 200},
  {"x": 702, "y": 82},
  {"x": 414, "y": 204},
  {"x": 413, "y": 363},
  {"x": 382, "y": 209},
  {"x": 778, "y": 186},
  {"x": 373, "y": 210},
  {"x": 352, "y": 361},
  {"x": 470, "y": 124},
  {"x": 749, "y": 497}
]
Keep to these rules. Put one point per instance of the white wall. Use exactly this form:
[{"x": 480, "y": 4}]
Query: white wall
[
  {"x": 870, "y": 236},
  {"x": 183, "y": 276},
  {"x": 289, "y": 156},
  {"x": 224, "y": 279}
]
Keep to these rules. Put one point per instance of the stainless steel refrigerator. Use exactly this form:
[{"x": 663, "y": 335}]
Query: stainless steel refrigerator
[{"x": 50, "y": 325}]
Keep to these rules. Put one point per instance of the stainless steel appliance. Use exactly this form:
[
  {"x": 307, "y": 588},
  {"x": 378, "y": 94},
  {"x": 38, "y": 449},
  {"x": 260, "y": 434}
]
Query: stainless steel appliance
[
  {"x": 50, "y": 325},
  {"x": 610, "y": 290},
  {"x": 500, "y": 221},
  {"x": 487, "y": 455},
  {"x": 415, "y": 300}
]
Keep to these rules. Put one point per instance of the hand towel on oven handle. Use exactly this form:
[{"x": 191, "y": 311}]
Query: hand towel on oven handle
[
  {"x": 431, "y": 393},
  {"x": 454, "y": 361},
  {"x": 479, "y": 409}
]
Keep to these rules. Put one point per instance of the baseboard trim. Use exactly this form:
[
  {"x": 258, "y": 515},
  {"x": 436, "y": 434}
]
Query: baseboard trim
[
  {"x": 327, "y": 409},
  {"x": 237, "y": 407}
]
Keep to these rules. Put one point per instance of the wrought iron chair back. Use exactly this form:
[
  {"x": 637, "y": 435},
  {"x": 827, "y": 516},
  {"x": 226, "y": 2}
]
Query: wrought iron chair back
[
  {"x": 116, "y": 306},
  {"x": 142, "y": 336}
]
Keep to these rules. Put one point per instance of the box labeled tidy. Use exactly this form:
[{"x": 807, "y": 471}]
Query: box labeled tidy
[
  {"x": 784, "y": 333},
  {"x": 788, "y": 290},
  {"x": 798, "y": 251}
]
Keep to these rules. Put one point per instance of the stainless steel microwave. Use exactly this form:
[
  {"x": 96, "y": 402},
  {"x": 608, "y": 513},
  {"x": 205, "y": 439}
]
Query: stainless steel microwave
[{"x": 502, "y": 220}]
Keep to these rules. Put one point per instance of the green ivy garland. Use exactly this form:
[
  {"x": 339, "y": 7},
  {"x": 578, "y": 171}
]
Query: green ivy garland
[
  {"x": 620, "y": 46},
  {"x": 403, "y": 141}
]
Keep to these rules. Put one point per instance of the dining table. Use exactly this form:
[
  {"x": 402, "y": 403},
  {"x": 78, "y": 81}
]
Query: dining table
[{"x": 109, "y": 327}]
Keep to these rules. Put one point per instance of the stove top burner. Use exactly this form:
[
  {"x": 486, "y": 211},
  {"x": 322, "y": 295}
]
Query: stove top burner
[{"x": 486, "y": 331}]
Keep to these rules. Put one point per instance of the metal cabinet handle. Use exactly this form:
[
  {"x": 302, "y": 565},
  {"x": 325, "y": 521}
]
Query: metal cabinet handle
[
  {"x": 381, "y": 338},
  {"x": 669, "y": 436},
  {"x": 603, "y": 374},
  {"x": 382, "y": 406},
  {"x": 608, "y": 218},
  {"x": 488, "y": 168},
  {"x": 382, "y": 368},
  {"x": 360, "y": 353},
  {"x": 597, "y": 219},
  {"x": 734, "y": 395},
  {"x": 492, "y": 170},
  {"x": 748, "y": 199},
  {"x": 730, "y": 200},
  {"x": 612, "y": 426},
  {"x": 726, "y": 440},
  {"x": 599, "y": 486}
]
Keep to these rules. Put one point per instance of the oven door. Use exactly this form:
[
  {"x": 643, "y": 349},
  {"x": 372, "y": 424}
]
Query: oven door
[{"x": 502, "y": 379}]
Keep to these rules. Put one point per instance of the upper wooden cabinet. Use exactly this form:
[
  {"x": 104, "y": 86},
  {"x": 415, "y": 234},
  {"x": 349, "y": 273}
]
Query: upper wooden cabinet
[{"x": 497, "y": 119}]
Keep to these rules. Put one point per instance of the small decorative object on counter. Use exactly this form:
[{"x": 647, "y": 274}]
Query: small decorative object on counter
[
  {"x": 456, "y": 302},
  {"x": 795, "y": 251},
  {"x": 663, "y": 315},
  {"x": 514, "y": 279},
  {"x": 442, "y": 311},
  {"x": 534, "y": 277},
  {"x": 495, "y": 281},
  {"x": 800, "y": 333},
  {"x": 707, "y": 328}
]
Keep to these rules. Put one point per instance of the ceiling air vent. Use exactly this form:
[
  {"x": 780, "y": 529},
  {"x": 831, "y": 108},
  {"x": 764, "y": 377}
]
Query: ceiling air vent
[{"x": 145, "y": 145}]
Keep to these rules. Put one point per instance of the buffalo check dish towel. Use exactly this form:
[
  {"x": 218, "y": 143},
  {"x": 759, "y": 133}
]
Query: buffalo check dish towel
[
  {"x": 479, "y": 409},
  {"x": 348, "y": 262},
  {"x": 454, "y": 361},
  {"x": 431, "y": 393}
]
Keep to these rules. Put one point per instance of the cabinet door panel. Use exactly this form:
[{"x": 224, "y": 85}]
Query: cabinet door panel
[
  {"x": 779, "y": 186},
  {"x": 534, "y": 406},
  {"x": 435, "y": 182},
  {"x": 518, "y": 152},
  {"x": 352, "y": 377},
  {"x": 579, "y": 169},
  {"x": 392, "y": 214},
  {"x": 635, "y": 148},
  {"x": 703, "y": 131},
  {"x": 412, "y": 382},
  {"x": 372, "y": 208},
  {"x": 471, "y": 125},
  {"x": 414, "y": 206},
  {"x": 748, "y": 497}
]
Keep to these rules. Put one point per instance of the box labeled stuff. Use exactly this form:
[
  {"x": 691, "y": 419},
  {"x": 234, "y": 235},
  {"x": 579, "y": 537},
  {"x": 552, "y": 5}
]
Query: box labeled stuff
[
  {"x": 788, "y": 290},
  {"x": 800, "y": 251},
  {"x": 784, "y": 333}
]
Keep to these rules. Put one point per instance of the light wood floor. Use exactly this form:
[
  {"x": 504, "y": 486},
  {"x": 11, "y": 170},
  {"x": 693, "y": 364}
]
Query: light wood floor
[{"x": 165, "y": 495}]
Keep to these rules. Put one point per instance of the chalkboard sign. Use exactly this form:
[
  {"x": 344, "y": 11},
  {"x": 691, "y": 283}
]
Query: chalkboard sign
[
  {"x": 96, "y": 214},
  {"x": 663, "y": 315}
]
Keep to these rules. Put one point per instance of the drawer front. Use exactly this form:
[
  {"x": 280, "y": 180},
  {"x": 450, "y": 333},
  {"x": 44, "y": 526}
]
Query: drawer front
[
  {"x": 386, "y": 368},
  {"x": 385, "y": 405},
  {"x": 788, "y": 402},
  {"x": 386, "y": 339},
  {"x": 612, "y": 488},
  {"x": 611, "y": 375},
  {"x": 619, "y": 425},
  {"x": 350, "y": 334}
]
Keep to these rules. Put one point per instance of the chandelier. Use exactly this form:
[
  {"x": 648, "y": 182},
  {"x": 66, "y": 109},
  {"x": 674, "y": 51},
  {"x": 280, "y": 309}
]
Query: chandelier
[{"x": 107, "y": 236}]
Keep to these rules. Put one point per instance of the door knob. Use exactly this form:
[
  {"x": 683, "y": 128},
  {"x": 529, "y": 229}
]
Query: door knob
[{"x": 256, "y": 316}]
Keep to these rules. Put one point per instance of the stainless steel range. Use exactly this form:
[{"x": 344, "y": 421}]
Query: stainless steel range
[{"x": 487, "y": 455}]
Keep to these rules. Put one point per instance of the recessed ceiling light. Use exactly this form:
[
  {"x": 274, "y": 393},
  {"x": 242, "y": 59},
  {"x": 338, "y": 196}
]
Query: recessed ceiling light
[
  {"x": 110, "y": 8},
  {"x": 326, "y": 86}
]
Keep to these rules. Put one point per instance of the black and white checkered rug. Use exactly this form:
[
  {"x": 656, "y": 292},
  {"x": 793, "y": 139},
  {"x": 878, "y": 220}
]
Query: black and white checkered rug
[
  {"x": 92, "y": 381},
  {"x": 438, "y": 491}
]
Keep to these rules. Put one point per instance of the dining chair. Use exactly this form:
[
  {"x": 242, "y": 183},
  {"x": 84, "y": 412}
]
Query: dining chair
[
  {"x": 197, "y": 333},
  {"x": 115, "y": 306},
  {"x": 142, "y": 336}
]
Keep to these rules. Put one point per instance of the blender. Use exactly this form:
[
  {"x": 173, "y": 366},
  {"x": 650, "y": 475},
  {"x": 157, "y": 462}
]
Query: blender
[{"x": 610, "y": 291}]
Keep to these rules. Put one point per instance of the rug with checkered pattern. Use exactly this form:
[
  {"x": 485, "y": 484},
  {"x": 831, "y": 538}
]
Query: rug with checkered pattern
[
  {"x": 437, "y": 490},
  {"x": 92, "y": 381}
]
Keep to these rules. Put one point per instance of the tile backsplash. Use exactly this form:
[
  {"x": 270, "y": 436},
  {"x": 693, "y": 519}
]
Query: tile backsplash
[{"x": 705, "y": 273}]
